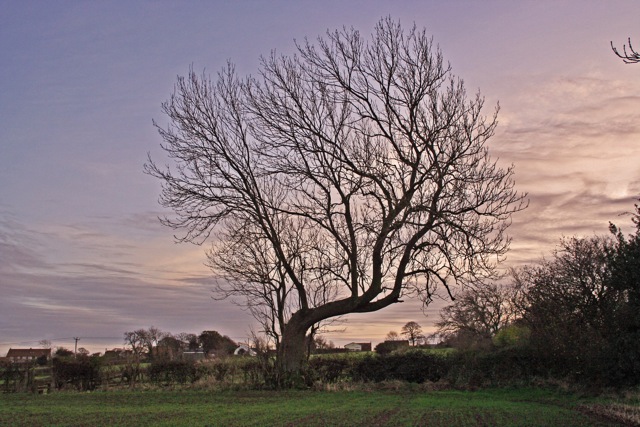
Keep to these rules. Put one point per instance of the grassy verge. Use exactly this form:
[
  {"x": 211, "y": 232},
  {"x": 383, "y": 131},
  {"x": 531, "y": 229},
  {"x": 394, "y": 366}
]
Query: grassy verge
[{"x": 523, "y": 407}]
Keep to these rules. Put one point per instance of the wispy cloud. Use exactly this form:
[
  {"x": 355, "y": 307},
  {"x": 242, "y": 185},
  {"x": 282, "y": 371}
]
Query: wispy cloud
[
  {"x": 575, "y": 142},
  {"x": 69, "y": 293}
]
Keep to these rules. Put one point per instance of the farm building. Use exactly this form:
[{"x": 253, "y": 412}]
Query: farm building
[
  {"x": 244, "y": 350},
  {"x": 358, "y": 346},
  {"x": 24, "y": 355}
]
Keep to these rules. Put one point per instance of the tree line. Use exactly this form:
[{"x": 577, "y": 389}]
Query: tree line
[
  {"x": 152, "y": 343},
  {"x": 579, "y": 309},
  {"x": 150, "y": 355}
]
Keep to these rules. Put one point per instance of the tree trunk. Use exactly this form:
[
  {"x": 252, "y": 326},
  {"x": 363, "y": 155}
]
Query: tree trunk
[{"x": 291, "y": 354}]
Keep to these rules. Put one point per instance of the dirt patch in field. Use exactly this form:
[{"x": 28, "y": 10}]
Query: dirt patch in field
[
  {"x": 382, "y": 419},
  {"x": 620, "y": 414},
  {"x": 310, "y": 420},
  {"x": 484, "y": 419}
]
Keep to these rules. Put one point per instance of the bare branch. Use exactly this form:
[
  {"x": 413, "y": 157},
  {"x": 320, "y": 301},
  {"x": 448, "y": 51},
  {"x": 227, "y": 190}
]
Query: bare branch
[{"x": 630, "y": 57}]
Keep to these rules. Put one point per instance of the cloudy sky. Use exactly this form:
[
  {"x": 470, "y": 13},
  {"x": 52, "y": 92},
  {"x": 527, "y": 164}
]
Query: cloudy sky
[{"x": 81, "y": 251}]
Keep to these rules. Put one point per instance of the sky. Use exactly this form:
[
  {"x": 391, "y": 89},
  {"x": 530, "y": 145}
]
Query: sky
[{"x": 82, "y": 253}]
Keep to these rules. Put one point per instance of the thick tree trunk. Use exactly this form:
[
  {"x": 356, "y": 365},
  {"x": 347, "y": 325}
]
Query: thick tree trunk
[{"x": 291, "y": 354}]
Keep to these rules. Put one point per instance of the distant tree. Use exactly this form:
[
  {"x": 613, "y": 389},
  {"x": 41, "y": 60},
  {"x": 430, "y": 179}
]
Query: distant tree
[
  {"x": 214, "y": 341},
  {"x": 143, "y": 341},
  {"x": 630, "y": 57},
  {"x": 151, "y": 338},
  {"x": 478, "y": 313},
  {"x": 412, "y": 332},
  {"x": 169, "y": 348},
  {"x": 338, "y": 181},
  {"x": 321, "y": 343},
  {"x": 136, "y": 340},
  {"x": 45, "y": 343},
  {"x": 624, "y": 275},
  {"x": 63, "y": 352},
  {"x": 190, "y": 339},
  {"x": 83, "y": 352},
  {"x": 392, "y": 336}
]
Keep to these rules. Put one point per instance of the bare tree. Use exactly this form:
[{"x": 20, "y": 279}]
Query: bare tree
[
  {"x": 630, "y": 57},
  {"x": 189, "y": 340},
  {"x": 479, "y": 312},
  {"x": 153, "y": 336},
  {"x": 392, "y": 336},
  {"x": 321, "y": 343},
  {"x": 412, "y": 332},
  {"x": 135, "y": 339},
  {"x": 339, "y": 181}
]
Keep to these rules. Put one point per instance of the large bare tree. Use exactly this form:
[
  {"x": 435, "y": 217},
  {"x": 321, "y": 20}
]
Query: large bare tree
[{"x": 338, "y": 180}]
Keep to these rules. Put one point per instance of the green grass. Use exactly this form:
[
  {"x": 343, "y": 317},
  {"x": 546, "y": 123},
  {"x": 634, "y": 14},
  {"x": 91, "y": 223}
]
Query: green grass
[{"x": 524, "y": 407}]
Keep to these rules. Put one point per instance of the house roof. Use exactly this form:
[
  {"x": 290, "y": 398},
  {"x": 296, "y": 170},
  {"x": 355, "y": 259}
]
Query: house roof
[
  {"x": 29, "y": 352},
  {"x": 364, "y": 346}
]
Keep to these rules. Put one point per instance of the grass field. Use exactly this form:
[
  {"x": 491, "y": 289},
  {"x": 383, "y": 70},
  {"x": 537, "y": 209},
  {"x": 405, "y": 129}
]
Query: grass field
[{"x": 522, "y": 407}]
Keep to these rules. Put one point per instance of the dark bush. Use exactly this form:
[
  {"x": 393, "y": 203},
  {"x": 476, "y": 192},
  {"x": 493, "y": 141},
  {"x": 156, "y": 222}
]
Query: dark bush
[
  {"x": 329, "y": 369},
  {"x": 369, "y": 368},
  {"x": 11, "y": 376},
  {"x": 472, "y": 369},
  {"x": 221, "y": 370},
  {"x": 387, "y": 347},
  {"x": 415, "y": 366},
  {"x": 82, "y": 373},
  {"x": 42, "y": 360},
  {"x": 172, "y": 372},
  {"x": 518, "y": 366},
  {"x": 261, "y": 372},
  {"x": 419, "y": 366}
]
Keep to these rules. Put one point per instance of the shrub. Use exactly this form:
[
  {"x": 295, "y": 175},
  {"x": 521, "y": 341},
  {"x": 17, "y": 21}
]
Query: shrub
[
  {"x": 369, "y": 368},
  {"x": 512, "y": 336},
  {"x": 329, "y": 369},
  {"x": 414, "y": 366},
  {"x": 172, "y": 372},
  {"x": 388, "y": 347},
  {"x": 82, "y": 373},
  {"x": 12, "y": 377}
]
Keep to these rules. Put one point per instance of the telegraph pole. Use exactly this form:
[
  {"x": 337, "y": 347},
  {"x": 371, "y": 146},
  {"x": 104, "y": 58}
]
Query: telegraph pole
[{"x": 75, "y": 351}]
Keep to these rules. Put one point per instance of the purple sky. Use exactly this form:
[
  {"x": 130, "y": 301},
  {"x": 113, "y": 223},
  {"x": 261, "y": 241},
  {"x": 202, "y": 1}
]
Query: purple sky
[{"x": 81, "y": 251}]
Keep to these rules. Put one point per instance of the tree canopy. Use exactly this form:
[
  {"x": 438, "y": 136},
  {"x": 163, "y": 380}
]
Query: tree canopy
[
  {"x": 412, "y": 331},
  {"x": 335, "y": 181}
]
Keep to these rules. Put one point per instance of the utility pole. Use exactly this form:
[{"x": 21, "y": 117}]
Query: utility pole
[{"x": 75, "y": 351}]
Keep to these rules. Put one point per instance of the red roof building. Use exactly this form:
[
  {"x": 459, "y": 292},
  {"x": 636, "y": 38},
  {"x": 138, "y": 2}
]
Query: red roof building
[{"x": 18, "y": 355}]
